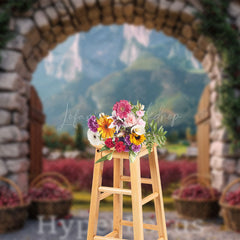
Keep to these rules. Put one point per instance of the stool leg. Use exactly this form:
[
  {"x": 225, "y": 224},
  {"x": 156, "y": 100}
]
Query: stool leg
[
  {"x": 136, "y": 199},
  {"x": 158, "y": 202},
  {"x": 117, "y": 198},
  {"x": 94, "y": 205}
]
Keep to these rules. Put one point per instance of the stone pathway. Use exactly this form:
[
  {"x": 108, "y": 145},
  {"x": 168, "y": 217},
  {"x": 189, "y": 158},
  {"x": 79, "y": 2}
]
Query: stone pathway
[{"x": 76, "y": 228}]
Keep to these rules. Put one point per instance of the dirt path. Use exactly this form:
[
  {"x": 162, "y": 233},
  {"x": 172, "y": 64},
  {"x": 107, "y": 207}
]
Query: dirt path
[{"x": 76, "y": 229}]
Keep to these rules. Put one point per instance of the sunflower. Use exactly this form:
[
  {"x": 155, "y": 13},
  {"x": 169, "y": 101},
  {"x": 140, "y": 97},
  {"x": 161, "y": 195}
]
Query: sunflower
[
  {"x": 104, "y": 122},
  {"x": 137, "y": 139}
]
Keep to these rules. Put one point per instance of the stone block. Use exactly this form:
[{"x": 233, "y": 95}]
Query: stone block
[
  {"x": 10, "y": 101},
  {"x": 10, "y": 81},
  {"x": 52, "y": 15},
  {"x": 10, "y": 60},
  {"x": 191, "y": 45},
  {"x": 21, "y": 119},
  {"x": 78, "y": 5},
  {"x": 108, "y": 20},
  {"x": 21, "y": 179},
  {"x": 234, "y": 9},
  {"x": 24, "y": 26},
  {"x": 219, "y": 149},
  {"x": 163, "y": 8},
  {"x": 168, "y": 31},
  {"x": 203, "y": 42},
  {"x": 17, "y": 43},
  {"x": 5, "y": 117},
  {"x": 231, "y": 178},
  {"x": 187, "y": 14},
  {"x": 238, "y": 167},
  {"x": 229, "y": 165},
  {"x": 128, "y": 10},
  {"x": 219, "y": 135},
  {"x": 10, "y": 134},
  {"x": 13, "y": 150},
  {"x": 3, "y": 168},
  {"x": 90, "y": 3},
  {"x": 216, "y": 162},
  {"x": 93, "y": 13},
  {"x": 18, "y": 165},
  {"x": 198, "y": 54},
  {"x": 151, "y": 6},
  {"x": 41, "y": 20},
  {"x": 105, "y": 3},
  {"x": 176, "y": 9},
  {"x": 207, "y": 62},
  {"x": 138, "y": 21},
  {"x": 218, "y": 179},
  {"x": 44, "y": 3},
  {"x": 187, "y": 31},
  {"x": 60, "y": 8}
]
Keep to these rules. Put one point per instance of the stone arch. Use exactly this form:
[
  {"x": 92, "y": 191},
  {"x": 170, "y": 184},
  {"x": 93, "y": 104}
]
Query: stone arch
[{"x": 50, "y": 22}]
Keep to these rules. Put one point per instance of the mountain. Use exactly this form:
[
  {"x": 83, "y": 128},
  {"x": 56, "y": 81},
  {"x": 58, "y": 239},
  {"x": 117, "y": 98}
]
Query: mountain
[{"x": 90, "y": 71}]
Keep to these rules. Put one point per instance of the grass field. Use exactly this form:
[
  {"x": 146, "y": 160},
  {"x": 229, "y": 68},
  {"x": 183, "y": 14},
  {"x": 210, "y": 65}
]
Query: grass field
[{"x": 179, "y": 149}]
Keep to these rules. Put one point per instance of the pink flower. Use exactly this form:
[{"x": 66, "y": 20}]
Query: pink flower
[
  {"x": 141, "y": 122},
  {"x": 122, "y": 108},
  {"x": 140, "y": 113},
  {"x": 130, "y": 120}
]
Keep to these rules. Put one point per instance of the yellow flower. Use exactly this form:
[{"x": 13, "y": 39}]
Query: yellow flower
[
  {"x": 137, "y": 139},
  {"x": 104, "y": 130}
]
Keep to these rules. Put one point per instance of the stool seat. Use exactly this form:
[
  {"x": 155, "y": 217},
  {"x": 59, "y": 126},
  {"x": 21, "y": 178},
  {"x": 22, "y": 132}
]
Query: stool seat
[{"x": 100, "y": 192}]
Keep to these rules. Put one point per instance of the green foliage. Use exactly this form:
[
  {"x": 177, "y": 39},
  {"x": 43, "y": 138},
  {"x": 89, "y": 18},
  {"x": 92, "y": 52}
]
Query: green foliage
[
  {"x": 66, "y": 141},
  {"x": 217, "y": 27},
  {"x": 155, "y": 135},
  {"x": 50, "y": 137},
  {"x": 53, "y": 140},
  {"x": 6, "y": 10},
  {"x": 79, "y": 138}
]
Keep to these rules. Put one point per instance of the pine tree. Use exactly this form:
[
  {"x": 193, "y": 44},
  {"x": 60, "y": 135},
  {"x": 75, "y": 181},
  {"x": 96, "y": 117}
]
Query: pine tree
[{"x": 79, "y": 140}]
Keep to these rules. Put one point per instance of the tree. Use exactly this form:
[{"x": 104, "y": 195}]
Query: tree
[{"x": 79, "y": 140}]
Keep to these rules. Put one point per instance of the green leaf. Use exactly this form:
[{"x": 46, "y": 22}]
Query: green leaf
[
  {"x": 107, "y": 157},
  {"x": 104, "y": 148},
  {"x": 132, "y": 156},
  {"x": 155, "y": 127}
]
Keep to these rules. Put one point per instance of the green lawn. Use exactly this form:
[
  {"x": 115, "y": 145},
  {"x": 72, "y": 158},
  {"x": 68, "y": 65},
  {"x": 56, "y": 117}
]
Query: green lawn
[{"x": 179, "y": 149}]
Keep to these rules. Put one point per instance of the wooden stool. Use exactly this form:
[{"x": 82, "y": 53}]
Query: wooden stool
[{"x": 99, "y": 193}]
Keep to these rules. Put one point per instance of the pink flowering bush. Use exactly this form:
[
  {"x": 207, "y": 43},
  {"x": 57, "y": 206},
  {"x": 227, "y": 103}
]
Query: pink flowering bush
[{"x": 80, "y": 172}]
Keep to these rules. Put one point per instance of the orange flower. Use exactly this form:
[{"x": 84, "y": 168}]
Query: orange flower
[{"x": 104, "y": 129}]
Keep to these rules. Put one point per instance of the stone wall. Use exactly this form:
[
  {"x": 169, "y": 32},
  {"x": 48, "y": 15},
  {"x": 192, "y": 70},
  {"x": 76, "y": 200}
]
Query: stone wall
[{"x": 50, "y": 22}]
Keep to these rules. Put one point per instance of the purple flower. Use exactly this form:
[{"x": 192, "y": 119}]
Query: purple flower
[
  {"x": 136, "y": 148},
  {"x": 127, "y": 140},
  {"x": 126, "y": 149},
  {"x": 92, "y": 123}
]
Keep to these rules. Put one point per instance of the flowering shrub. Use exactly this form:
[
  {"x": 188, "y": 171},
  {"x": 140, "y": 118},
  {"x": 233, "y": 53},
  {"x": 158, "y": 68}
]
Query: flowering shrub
[
  {"x": 9, "y": 198},
  {"x": 49, "y": 191},
  {"x": 80, "y": 172},
  {"x": 197, "y": 192},
  {"x": 233, "y": 198},
  {"x": 126, "y": 130}
]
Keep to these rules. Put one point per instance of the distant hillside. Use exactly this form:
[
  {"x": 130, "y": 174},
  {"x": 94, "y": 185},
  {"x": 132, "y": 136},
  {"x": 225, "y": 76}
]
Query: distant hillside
[{"x": 92, "y": 71}]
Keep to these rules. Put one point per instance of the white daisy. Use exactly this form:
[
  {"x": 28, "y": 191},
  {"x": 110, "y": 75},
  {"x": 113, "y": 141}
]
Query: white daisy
[
  {"x": 138, "y": 129},
  {"x": 94, "y": 138}
]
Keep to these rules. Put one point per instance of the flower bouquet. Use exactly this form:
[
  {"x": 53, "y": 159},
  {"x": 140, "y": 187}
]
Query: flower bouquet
[{"x": 126, "y": 130}]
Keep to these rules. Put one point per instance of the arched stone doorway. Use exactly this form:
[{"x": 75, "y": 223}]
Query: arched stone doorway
[{"x": 50, "y": 22}]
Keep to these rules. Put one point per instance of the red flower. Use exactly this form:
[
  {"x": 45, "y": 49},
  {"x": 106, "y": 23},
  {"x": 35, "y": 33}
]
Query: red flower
[
  {"x": 120, "y": 147},
  {"x": 109, "y": 143}
]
